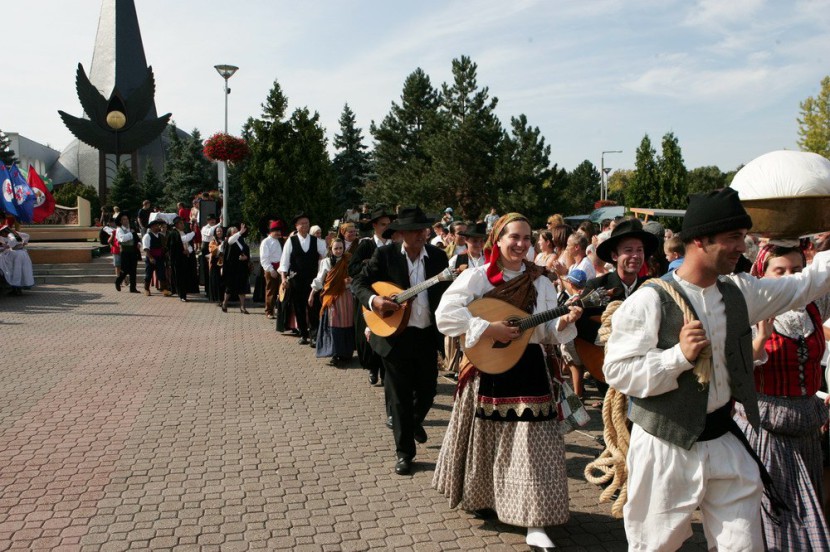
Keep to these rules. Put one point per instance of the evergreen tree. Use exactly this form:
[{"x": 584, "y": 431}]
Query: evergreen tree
[
  {"x": 7, "y": 155},
  {"x": 401, "y": 161},
  {"x": 523, "y": 172},
  {"x": 186, "y": 171},
  {"x": 618, "y": 182},
  {"x": 67, "y": 195},
  {"x": 705, "y": 179},
  {"x": 672, "y": 175},
  {"x": 351, "y": 163},
  {"x": 288, "y": 170},
  {"x": 125, "y": 191},
  {"x": 814, "y": 123},
  {"x": 465, "y": 147},
  {"x": 152, "y": 188},
  {"x": 580, "y": 190},
  {"x": 644, "y": 187}
]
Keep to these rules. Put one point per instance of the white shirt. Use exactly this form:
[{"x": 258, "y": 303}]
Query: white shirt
[
  {"x": 187, "y": 237},
  {"x": 585, "y": 265},
  {"x": 454, "y": 318},
  {"x": 145, "y": 241},
  {"x": 380, "y": 242},
  {"x": 124, "y": 235},
  {"x": 305, "y": 243},
  {"x": 270, "y": 251},
  {"x": 437, "y": 241},
  {"x": 325, "y": 267},
  {"x": 207, "y": 232},
  {"x": 419, "y": 317},
  {"x": 636, "y": 367},
  {"x": 471, "y": 261}
]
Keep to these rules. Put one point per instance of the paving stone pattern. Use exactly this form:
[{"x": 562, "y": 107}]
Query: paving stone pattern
[{"x": 129, "y": 422}]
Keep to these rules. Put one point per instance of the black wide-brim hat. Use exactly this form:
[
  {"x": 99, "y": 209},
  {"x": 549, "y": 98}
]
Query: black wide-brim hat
[
  {"x": 632, "y": 228},
  {"x": 476, "y": 231},
  {"x": 713, "y": 213},
  {"x": 411, "y": 218},
  {"x": 299, "y": 216},
  {"x": 380, "y": 212}
]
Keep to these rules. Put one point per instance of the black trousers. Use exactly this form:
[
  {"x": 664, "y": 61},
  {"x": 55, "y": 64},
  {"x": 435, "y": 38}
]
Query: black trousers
[
  {"x": 181, "y": 275},
  {"x": 410, "y": 385},
  {"x": 158, "y": 268},
  {"x": 129, "y": 263},
  {"x": 307, "y": 317}
]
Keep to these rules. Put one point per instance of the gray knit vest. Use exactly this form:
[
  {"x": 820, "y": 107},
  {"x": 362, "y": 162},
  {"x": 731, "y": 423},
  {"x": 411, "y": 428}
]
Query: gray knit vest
[{"x": 679, "y": 416}]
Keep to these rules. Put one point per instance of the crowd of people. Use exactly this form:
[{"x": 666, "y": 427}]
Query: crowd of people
[{"x": 718, "y": 342}]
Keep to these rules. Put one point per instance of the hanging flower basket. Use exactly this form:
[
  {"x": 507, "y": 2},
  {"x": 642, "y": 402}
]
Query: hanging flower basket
[{"x": 224, "y": 147}]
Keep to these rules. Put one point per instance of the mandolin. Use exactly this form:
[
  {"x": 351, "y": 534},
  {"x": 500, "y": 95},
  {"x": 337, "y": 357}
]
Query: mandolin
[
  {"x": 392, "y": 323},
  {"x": 493, "y": 357}
]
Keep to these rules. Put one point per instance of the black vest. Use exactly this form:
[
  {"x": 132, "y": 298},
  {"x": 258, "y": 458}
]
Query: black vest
[
  {"x": 155, "y": 241},
  {"x": 304, "y": 263}
]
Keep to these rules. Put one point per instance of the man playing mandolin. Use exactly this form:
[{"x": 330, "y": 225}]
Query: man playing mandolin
[
  {"x": 409, "y": 353},
  {"x": 503, "y": 450}
]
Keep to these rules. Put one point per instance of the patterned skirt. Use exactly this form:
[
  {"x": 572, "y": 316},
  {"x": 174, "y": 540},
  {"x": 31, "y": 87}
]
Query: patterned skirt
[
  {"x": 335, "y": 336},
  {"x": 516, "y": 468},
  {"x": 789, "y": 445}
]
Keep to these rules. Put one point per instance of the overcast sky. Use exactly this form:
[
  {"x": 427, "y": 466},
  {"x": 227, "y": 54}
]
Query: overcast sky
[{"x": 726, "y": 76}]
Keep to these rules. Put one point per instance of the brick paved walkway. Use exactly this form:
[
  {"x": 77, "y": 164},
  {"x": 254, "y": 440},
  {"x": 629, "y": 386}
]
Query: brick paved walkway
[{"x": 129, "y": 422}]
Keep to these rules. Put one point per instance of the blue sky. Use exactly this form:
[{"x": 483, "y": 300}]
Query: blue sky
[{"x": 726, "y": 76}]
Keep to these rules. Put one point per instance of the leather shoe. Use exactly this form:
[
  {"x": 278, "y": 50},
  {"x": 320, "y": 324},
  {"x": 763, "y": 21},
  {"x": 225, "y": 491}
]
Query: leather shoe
[
  {"x": 403, "y": 466},
  {"x": 389, "y": 422},
  {"x": 373, "y": 378},
  {"x": 420, "y": 434},
  {"x": 535, "y": 548},
  {"x": 303, "y": 341}
]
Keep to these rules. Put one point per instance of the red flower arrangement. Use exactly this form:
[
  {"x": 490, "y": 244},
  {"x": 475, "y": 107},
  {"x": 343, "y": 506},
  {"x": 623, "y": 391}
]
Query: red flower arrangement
[{"x": 224, "y": 147}]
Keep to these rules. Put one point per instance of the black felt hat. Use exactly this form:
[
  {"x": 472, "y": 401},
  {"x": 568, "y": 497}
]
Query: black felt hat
[
  {"x": 411, "y": 218},
  {"x": 299, "y": 216},
  {"x": 713, "y": 213},
  {"x": 380, "y": 212},
  {"x": 631, "y": 228},
  {"x": 476, "y": 231}
]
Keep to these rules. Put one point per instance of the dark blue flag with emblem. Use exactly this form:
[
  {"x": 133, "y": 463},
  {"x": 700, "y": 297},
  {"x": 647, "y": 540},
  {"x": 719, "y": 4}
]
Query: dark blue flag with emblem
[
  {"x": 24, "y": 197},
  {"x": 8, "y": 191}
]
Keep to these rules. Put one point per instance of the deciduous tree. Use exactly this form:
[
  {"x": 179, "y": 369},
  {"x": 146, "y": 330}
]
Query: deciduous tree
[{"x": 814, "y": 122}]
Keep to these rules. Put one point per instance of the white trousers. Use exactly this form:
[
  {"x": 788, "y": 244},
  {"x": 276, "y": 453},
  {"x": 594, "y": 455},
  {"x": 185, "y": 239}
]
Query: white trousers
[
  {"x": 17, "y": 268},
  {"x": 667, "y": 483}
]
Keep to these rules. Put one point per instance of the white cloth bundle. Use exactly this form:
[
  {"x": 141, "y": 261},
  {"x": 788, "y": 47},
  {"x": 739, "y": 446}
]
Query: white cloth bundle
[{"x": 785, "y": 173}]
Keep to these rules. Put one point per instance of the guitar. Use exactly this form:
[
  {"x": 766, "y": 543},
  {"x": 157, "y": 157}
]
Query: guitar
[
  {"x": 493, "y": 357},
  {"x": 392, "y": 323}
]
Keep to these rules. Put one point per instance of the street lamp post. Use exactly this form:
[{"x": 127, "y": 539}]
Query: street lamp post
[
  {"x": 226, "y": 72},
  {"x": 603, "y": 180}
]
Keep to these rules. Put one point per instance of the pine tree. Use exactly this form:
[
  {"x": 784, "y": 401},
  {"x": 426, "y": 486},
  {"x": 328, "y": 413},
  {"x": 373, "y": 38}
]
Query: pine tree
[
  {"x": 523, "y": 170},
  {"x": 288, "y": 170},
  {"x": 644, "y": 187},
  {"x": 672, "y": 175},
  {"x": 401, "y": 161},
  {"x": 814, "y": 122},
  {"x": 7, "y": 155},
  {"x": 125, "y": 191},
  {"x": 152, "y": 188},
  {"x": 351, "y": 163},
  {"x": 466, "y": 144},
  {"x": 186, "y": 171}
]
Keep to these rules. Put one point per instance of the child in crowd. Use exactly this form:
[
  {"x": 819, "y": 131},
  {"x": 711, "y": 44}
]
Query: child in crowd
[{"x": 675, "y": 251}]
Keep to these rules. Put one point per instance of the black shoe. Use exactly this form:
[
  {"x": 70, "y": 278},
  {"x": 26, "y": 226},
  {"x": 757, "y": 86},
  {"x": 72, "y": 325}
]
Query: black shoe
[
  {"x": 485, "y": 513},
  {"x": 117, "y": 285},
  {"x": 134, "y": 291},
  {"x": 303, "y": 341},
  {"x": 403, "y": 466},
  {"x": 389, "y": 422},
  {"x": 420, "y": 434},
  {"x": 535, "y": 548},
  {"x": 313, "y": 343},
  {"x": 373, "y": 379}
]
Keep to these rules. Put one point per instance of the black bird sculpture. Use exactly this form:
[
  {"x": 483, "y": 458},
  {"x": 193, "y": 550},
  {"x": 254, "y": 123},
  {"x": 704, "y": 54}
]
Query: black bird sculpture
[{"x": 115, "y": 125}]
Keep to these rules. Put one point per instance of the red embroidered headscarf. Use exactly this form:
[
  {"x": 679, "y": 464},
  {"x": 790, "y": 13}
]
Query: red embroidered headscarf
[{"x": 491, "y": 248}]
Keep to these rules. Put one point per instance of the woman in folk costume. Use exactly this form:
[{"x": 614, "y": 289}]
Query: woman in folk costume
[
  {"x": 788, "y": 351},
  {"x": 348, "y": 233},
  {"x": 15, "y": 264},
  {"x": 335, "y": 337},
  {"x": 215, "y": 260},
  {"x": 236, "y": 267},
  {"x": 503, "y": 449}
]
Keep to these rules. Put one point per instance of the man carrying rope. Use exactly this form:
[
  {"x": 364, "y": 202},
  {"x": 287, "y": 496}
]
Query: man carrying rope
[{"x": 682, "y": 352}]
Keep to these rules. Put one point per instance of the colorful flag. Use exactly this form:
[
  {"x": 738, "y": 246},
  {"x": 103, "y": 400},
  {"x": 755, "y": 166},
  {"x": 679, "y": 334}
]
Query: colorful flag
[
  {"x": 8, "y": 191},
  {"x": 24, "y": 197},
  {"x": 44, "y": 200}
]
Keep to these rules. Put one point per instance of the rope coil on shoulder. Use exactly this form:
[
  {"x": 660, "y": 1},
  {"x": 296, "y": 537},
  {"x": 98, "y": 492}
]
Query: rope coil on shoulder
[{"x": 703, "y": 363}]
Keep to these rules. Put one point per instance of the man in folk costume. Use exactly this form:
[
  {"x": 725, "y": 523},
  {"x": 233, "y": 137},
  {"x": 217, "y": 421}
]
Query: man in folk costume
[
  {"x": 473, "y": 255},
  {"x": 381, "y": 219},
  {"x": 301, "y": 255},
  {"x": 627, "y": 248},
  {"x": 681, "y": 349},
  {"x": 409, "y": 358},
  {"x": 181, "y": 255},
  {"x": 206, "y": 233},
  {"x": 153, "y": 246},
  {"x": 270, "y": 252}
]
